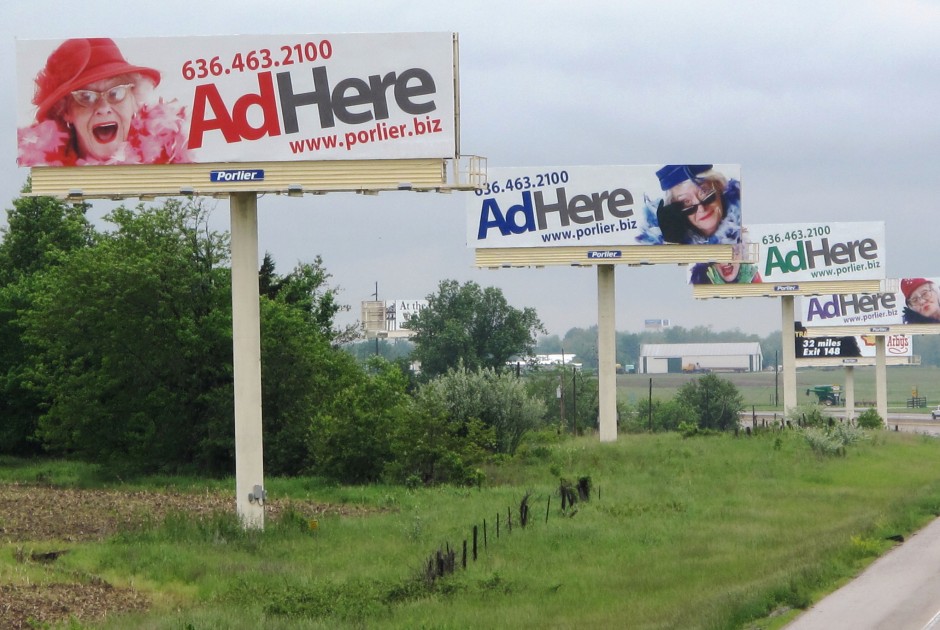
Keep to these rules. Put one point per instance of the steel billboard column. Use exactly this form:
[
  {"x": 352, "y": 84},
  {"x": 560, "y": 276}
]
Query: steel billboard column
[
  {"x": 788, "y": 341},
  {"x": 849, "y": 392},
  {"x": 606, "y": 354},
  {"x": 246, "y": 345},
  {"x": 881, "y": 378}
]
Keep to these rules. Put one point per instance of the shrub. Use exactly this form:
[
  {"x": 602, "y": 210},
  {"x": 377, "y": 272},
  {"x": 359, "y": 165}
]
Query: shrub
[
  {"x": 667, "y": 415},
  {"x": 716, "y": 402},
  {"x": 833, "y": 440},
  {"x": 807, "y": 415},
  {"x": 498, "y": 400},
  {"x": 869, "y": 419}
]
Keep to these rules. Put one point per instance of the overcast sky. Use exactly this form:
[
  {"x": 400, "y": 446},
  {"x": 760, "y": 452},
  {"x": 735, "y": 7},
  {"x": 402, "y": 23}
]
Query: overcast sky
[{"x": 831, "y": 108}]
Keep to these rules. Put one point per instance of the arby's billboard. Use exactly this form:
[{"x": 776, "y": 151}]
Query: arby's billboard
[{"x": 246, "y": 98}]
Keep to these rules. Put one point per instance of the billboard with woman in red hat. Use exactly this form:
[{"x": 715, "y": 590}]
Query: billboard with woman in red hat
[
  {"x": 93, "y": 107},
  {"x": 918, "y": 302},
  {"x": 245, "y": 98}
]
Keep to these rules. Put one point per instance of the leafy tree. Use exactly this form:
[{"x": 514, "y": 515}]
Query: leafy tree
[
  {"x": 471, "y": 324},
  {"x": 300, "y": 373},
  {"x": 869, "y": 419},
  {"x": 391, "y": 349},
  {"x": 549, "y": 345},
  {"x": 306, "y": 287},
  {"x": 579, "y": 397},
  {"x": 497, "y": 399},
  {"x": 349, "y": 439},
  {"x": 41, "y": 232},
  {"x": 582, "y": 342},
  {"x": 133, "y": 343},
  {"x": 716, "y": 401}
]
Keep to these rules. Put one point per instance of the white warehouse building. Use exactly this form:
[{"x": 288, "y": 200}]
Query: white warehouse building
[{"x": 667, "y": 358}]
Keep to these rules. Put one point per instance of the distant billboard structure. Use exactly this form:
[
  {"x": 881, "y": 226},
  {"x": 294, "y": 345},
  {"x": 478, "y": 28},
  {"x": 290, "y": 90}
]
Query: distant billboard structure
[
  {"x": 605, "y": 215},
  {"x": 601, "y": 216},
  {"x": 655, "y": 324},
  {"x": 800, "y": 259},
  {"x": 913, "y": 308},
  {"x": 388, "y": 319}
]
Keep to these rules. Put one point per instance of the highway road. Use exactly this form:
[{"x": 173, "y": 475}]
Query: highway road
[
  {"x": 900, "y": 590},
  {"x": 900, "y": 421}
]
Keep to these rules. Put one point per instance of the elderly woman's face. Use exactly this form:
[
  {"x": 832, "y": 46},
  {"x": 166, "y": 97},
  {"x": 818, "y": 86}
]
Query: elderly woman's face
[
  {"x": 701, "y": 205},
  {"x": 926, "y": 301},
  {"x": 101, "y": 114}
]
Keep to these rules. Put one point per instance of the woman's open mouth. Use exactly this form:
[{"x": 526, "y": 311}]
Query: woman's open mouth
[{"x": 105, "y": 132}]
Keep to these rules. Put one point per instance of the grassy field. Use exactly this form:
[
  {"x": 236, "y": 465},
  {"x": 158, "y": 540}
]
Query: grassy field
[
  {"x": 706, "y": 532},
  {"x": 758, "y": 388}
]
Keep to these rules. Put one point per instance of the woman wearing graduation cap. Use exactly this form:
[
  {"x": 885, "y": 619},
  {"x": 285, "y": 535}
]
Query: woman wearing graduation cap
[
  {"x": 91, "y": 109},
  {"x": 701, "y": 206}
]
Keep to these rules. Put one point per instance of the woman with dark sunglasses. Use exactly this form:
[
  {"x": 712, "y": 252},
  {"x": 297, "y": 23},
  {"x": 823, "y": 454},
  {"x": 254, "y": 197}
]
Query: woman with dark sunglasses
[{"x": 701, "y": 206}]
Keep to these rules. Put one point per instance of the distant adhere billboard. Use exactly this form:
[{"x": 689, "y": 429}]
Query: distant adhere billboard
[
  {"x": 246, "y": 98},
  {"x": 917, "y": 302},
  {"x": 792, "y": 253},
  {"x": 606, "y": 207}
]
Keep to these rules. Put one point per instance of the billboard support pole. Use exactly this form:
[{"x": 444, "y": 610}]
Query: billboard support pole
[
  {"x": 606, "y": 354},
  {"x": 787, "y": 317},
  {"x": 881, "y": 377},
  {"x": 849, "y": 392},
  {"x": 246, "y": 359}
]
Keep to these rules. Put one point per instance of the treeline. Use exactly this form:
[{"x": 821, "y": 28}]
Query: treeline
[
  {"x": 117, "y": 349},
  {"x": 582, "y": 342}
]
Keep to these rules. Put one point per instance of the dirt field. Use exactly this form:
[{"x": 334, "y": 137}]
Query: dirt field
[{"x": 43, "y": 514}]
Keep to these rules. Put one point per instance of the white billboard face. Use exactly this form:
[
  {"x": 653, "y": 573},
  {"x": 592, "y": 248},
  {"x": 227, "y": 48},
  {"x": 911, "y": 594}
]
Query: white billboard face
[
  {"x": 801, "y": 252},
  {"x": 236, "y": 99},
  {"x": 606, "y": 206},
  {"x": 918, "y": 302}
]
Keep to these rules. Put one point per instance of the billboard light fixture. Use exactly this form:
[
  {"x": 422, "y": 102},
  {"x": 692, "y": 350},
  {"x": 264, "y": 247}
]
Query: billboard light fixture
[
  {"x": 187, "y": 190},
  {"x": 295, "y": 190},
  {"x": 75, "y": 193},
  {"x": 404, "y": 186}
]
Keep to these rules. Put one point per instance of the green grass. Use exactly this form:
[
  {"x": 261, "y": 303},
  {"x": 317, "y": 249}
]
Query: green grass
[
  {"x": 758, "y": 388},
  {"x": 713, "y": 532}
]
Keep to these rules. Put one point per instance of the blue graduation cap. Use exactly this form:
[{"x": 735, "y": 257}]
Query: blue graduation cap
[{"x": 673, "y": 174}]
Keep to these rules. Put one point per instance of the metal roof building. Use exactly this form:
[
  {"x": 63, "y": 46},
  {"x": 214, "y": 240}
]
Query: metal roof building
[{"x": 663, "y": 358}]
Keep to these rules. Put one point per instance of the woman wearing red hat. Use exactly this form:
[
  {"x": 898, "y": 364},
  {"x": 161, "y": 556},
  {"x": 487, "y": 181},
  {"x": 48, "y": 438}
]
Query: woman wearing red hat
[
  {"x": 922, "y": 299},
  {"x": 91, "y": 109}
]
